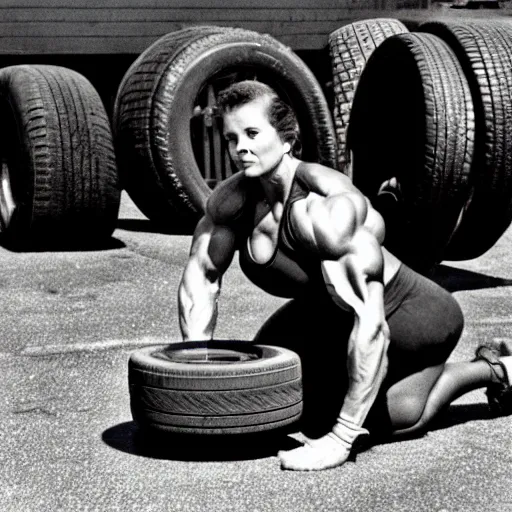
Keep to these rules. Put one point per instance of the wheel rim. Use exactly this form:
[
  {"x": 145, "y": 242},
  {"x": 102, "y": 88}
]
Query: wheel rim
[
  {"x": 212, "y": 352},
  {"x": 209, "y": 356},
  {"x": 7, "y": 202}
]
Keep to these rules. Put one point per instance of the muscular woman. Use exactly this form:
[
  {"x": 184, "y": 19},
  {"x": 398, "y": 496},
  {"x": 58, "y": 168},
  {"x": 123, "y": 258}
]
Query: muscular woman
[{"x": 304, "y": 231}]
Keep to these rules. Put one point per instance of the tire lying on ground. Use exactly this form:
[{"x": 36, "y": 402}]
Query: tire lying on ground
[
  {"x": 167, "y": 85},
  {"x": 58, "y": 181},
  {"x": 350, "y": 48},
  {"x": 412, "y": 119},
  {"x": 485, "y": 52},
  {"x": 214, "y": 387}
]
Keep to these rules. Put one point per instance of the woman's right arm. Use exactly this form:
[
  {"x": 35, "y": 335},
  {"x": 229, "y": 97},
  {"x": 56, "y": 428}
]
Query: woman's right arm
[{"x": 211, "y": 253}]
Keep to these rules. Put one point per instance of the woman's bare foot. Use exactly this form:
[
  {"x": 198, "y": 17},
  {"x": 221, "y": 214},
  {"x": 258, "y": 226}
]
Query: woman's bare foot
[{"x": 326, "y": 452}]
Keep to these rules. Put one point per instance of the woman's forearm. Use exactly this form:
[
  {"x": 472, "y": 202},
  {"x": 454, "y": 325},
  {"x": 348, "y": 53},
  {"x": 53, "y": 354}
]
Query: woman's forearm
[
  {"x": 369, "y": 340},
  {"x": 211, "y": 253},
  {"x": 197, "y": 304},
  {"x": 367, "y": 360},
  {"x": 367, "y": 373}
]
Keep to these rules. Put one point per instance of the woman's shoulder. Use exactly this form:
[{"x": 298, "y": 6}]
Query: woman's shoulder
[
  {"x": 331, "y": 213},
  {"x": 323, "y": 180},
  {"x": 227, "y": 200}
]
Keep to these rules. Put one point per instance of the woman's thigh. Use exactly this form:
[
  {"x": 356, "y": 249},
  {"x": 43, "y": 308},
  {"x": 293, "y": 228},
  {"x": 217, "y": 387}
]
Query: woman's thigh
[{"x": 424, "y": 329}]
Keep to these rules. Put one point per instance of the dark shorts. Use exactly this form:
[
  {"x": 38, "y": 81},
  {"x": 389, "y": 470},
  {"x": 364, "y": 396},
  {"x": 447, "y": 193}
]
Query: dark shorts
[{"x": 425, "y": 323}]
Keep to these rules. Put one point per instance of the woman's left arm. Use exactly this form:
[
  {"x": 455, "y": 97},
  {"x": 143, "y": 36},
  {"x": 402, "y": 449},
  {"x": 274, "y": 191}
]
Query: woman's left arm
[
  {"x": 355, "y": 279},
  {"x": 352, "y": 266},
  {"x": 335, "y": 227}
]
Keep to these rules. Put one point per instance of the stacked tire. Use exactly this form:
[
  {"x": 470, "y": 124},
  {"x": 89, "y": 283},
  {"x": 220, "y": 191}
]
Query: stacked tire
[
  {"x": 58, "y": 182},
  {"x": 430, "y": 113},
  {"x": 350, "y": 47},
  {"x": 415, "y": 126},
  {"x": 215, "y": 387},
  {"x": 484, "y": 50},
  {"x": 161, "y": 92}
]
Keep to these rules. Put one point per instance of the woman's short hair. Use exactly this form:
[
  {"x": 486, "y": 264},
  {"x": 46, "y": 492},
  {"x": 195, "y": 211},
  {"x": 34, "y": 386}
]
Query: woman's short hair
[{"x": 280, "y": 114}]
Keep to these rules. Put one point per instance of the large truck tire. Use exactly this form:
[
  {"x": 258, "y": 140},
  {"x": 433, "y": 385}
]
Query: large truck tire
[
  {"x": 412, "y": 119},
  {"x": 58, "y": 182},
  {"x": 484, "y": 50},
  {"x": 169, "y": 84},
  {"x": 215, "y": 387},
  {"x": 350, "y": 48}
]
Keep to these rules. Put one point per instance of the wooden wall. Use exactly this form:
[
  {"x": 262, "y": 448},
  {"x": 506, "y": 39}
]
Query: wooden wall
[{"x": 129, "y": 26}]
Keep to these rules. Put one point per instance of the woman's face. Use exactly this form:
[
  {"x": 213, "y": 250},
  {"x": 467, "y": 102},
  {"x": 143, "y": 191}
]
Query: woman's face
[{"x": 254, "y": 144}]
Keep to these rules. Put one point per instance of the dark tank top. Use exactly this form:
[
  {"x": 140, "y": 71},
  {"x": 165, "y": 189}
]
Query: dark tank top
[
  {"x": 294, "y": 272},
  {"x": 291, "y": 271}
]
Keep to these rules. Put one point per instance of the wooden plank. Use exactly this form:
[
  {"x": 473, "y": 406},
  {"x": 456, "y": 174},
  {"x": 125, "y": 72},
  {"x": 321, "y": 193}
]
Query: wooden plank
[
  {"x": 55, "y": 30},
  {"x": 74, "y": 45},
  {"x": 135, "y": 44},
  {"x": 120, "y": 45},
  {"x": 54, "y": 15},
  {"x": 130, "y": 26},
  {"x": 180, "y": 4}
]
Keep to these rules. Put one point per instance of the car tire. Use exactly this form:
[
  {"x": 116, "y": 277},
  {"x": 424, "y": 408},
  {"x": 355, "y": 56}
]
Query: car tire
[
  {"x": 158, "y": 98},
  {"x": 215, "y": 387},
  {"x": 412, "y": 119},
  {"x": 58, "y": 181},
  {"x": 350, "y": 48},
  {"x": 485, "y": 52}
]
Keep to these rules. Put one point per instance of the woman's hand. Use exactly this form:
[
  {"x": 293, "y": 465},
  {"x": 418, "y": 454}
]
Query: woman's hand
[{"x": 326, "y": 452}]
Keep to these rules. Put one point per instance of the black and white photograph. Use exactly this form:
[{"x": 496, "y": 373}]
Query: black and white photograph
[{"x": 256, "y": 256}]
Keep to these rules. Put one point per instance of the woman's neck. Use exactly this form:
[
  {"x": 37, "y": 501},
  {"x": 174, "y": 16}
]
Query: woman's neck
[{"x": 278, "y": 183}]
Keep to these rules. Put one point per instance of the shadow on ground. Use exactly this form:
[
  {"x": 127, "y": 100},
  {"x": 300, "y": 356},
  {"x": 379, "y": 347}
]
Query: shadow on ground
[
  {"x": 60, "y": 245},
  {"x": 454, "y": 415},
  {"x": 456, "y": 279},
  {"x": 459, "y": 414},
  {"x": 129, "y": 438},
  {"x": 148, "y": 226}
]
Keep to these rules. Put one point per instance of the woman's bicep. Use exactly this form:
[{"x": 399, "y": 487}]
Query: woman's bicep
[
  {"x": 327, "y": 225},
  {"x": 213, "y": 247}
]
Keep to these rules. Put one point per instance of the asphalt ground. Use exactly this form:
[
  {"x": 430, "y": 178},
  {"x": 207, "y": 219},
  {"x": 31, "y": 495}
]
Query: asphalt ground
[{"x": 68, "y": 323}]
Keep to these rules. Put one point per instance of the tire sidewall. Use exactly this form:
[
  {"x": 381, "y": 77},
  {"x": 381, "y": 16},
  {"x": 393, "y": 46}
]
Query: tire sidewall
[
  {"x": 276, "y": 357},
  {"x": 219, "y": 396},
  {"x": 284, "y": 74}
]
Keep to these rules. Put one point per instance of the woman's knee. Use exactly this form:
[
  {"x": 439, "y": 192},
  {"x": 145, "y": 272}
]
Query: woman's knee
[
  {"x": 406, "y": 411},
  {"x": 408, "y": 398},
  {"x": 456, "y": 320},
  {"x": 452, "y": 328}
]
